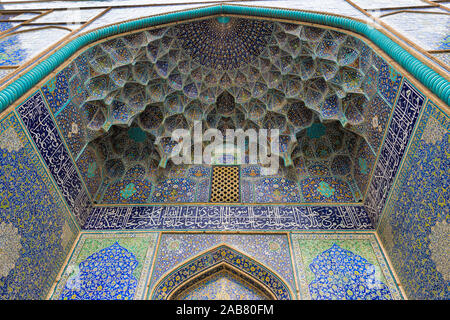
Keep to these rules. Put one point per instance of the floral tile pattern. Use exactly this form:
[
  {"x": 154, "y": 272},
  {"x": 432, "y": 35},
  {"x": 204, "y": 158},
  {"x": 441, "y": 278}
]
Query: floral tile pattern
[
  {"x": 326, "y": 190},
  {"x": 346, "y": 117},
  {"x": 56, "y": 91},
  {"x": 222, "y": 254},
  {"x": 340, "y": 274},
  {"x": 342, "y": 266}
]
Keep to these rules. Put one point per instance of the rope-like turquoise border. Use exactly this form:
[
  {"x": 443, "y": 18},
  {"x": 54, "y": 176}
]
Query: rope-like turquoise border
[{"x": 429, "y": 78}]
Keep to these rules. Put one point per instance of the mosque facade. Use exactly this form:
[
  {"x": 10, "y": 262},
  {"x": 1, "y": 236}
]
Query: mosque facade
[{"x": 352, "y": 203}]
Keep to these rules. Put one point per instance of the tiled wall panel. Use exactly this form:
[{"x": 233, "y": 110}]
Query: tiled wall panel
[
  {"x": 42, "y": 129},
  {"x": 36, "y": 231},
  {"x": 343, "y": 267},
  {"x": 406, "y": 112},
  {"x": 414, "y": 228},
  {"x": 229, "y": 218}
]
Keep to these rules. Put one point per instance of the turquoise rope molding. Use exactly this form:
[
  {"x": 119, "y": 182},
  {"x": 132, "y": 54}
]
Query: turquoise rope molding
[{"x": 429, "y": 78}]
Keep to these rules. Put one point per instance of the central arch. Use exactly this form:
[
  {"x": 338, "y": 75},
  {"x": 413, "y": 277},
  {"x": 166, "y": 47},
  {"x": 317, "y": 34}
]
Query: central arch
[{"x": 218, "y": 259}]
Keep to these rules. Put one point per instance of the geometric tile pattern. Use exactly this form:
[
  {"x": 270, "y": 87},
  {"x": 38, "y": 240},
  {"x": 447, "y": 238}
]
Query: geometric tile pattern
[
  {"x": 70, "y": 112},
  {"x": 357, "y": 86}
]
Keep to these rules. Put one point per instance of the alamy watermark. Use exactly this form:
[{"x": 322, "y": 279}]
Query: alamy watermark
[{"x": 249, "y": 146}]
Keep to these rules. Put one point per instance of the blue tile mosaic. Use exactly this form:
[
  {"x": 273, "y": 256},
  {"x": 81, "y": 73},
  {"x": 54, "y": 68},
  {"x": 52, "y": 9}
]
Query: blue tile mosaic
[
  {"x": 105, "y": 275},
  {"x": 42, "y": 129},
  {"x": 229, "y": 218},
  {"x": 36, "y": 232},
  {"x": 89, "y": 170},
  {"x": 203, "y": 191},
  {"x": 414, "y": 228},
  {"x": 70, "y": 123},
  {"x": 32, "y": 209},
  {"x": 174, "y": 190},
  {"x": 342, "y": 266},
  {"x": 276, "y": 190},
  {"x": 199, "y": 172},
  {"x": 243, "y": 42},
  {"x": 127, "y": 191},
  {"x": 214, "y": 260},
  {"x": 389, "y": 80},
  {"x": 56, "y": 91},
  {"x": 343, "y": 275},
  {"x": 11, "y": 52},
  {"x": 404, "y": 118},
  {"x": 247, "y": 191},
  {"x": 326, "y": 189},
  {"x": 279, "y": 84},
  {"x": 271, "y": 250},
  {"x": 252, "y": 171},
  {"x": 222, "y": 286}
]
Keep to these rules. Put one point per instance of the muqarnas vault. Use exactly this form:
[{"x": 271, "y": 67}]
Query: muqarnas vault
[{"x": 94, "y": 207}]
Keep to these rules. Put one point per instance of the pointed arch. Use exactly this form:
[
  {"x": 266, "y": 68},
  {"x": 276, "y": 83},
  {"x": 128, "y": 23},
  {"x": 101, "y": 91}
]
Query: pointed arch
[
  {"x": 221, "y": 258},
  {"x": 223, "y": 268}
]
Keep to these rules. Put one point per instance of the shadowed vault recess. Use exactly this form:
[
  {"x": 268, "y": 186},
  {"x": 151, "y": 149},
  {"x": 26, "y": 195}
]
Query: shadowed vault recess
[{"x": 327, "y": 92}]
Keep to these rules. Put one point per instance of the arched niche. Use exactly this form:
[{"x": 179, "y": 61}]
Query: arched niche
[{"x": 218, "y": 259}]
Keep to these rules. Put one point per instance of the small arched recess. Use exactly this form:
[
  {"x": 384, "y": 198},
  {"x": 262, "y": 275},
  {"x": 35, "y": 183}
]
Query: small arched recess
[{"x": 221, "y": 259}]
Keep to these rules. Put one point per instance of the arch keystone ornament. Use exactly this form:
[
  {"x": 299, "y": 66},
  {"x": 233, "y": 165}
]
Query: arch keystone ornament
[{"x": 219, "y": 259}]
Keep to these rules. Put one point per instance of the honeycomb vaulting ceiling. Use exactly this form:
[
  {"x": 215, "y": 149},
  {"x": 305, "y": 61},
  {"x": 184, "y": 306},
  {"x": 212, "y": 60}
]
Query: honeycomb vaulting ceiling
[{"x": 134, "y": 90}]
